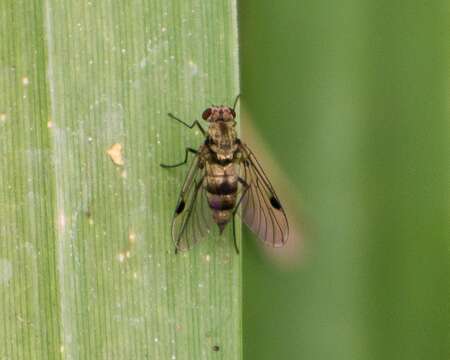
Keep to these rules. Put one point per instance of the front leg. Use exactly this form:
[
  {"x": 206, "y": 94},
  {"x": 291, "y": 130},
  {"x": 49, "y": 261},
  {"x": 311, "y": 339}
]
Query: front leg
[
  {"x": 187, "y": 125},
  {"x": 187, "y": 151}
]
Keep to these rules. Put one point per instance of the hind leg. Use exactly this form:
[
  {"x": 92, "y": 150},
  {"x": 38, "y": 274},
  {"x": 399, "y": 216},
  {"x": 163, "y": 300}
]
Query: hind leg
[{"x": 246, "y": 187}]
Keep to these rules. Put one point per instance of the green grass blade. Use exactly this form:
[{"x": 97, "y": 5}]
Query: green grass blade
[{"x": 87, "y": 269}]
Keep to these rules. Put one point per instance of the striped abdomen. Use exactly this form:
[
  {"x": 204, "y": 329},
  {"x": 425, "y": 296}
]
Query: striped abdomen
[{"x": 221, "y": 187}]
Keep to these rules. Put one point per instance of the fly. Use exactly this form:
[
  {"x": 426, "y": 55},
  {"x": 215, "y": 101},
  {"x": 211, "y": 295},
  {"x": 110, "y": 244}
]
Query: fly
[{"x": 224, "y": 176}]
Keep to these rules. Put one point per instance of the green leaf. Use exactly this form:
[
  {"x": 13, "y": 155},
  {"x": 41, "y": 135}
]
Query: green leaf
[{"x": 87, "y": 269}]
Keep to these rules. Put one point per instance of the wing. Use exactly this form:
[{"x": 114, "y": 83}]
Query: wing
[
  {"x": 192, "y": 218},
  {"x": 261, "y": 209}
]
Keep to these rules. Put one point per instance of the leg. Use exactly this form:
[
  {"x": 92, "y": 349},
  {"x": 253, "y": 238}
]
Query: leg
[
  {"x": 187, "y": 125},
  {"x": 187, "y": 151},
  {"x": 246, "y": 187},
  {"x": 234, "y": 236}
]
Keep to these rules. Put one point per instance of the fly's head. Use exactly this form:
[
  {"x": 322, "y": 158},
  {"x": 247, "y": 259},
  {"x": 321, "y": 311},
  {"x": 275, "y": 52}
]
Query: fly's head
[{"x": 221, "y": 113}]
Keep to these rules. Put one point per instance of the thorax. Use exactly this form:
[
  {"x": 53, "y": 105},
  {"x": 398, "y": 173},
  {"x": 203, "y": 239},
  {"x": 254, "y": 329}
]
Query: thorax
[{"x": 222, "y": 140}]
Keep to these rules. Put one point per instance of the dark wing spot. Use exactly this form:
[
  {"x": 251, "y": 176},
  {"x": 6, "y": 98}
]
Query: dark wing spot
[
  {"x": 216, "y": 348},
  {"x": 275, "y": 203},
  {"x": 180, "y": 207}
]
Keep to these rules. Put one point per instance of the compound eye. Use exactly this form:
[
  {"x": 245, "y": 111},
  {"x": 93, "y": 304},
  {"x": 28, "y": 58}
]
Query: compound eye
[
  {"x": 232, "y": 112},
  {"x": 206, "y": 114}
]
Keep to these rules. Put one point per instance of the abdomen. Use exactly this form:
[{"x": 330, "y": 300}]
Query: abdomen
[{"x": 221, "y": 187}]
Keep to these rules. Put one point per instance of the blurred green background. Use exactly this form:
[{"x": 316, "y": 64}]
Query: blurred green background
[{"x": 352, "y": 98}]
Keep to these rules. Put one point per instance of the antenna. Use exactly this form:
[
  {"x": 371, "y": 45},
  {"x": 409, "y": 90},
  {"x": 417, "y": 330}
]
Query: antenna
[{"x": 235, "y": 101}]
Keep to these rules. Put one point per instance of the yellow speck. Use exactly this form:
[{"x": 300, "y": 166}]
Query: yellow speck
[
  {"x": 128, "y": 254},
  {"x": 121, "y": 257},
  {"x": 115, "y": 153},
  {"x": 132, "y": 237},
  {"x": 2, "y": 117},
  {"x": 61, "y": 349},
  {"x": 49, "y": 124},
  {"x": 135, "y": 275},
  {"x": 207, "y": 258},
  {"x": 25, "y": 81}
]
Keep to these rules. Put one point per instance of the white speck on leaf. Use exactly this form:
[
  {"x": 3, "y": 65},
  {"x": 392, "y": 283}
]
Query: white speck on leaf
[
  {"x": 143, "y": 63},
  {"x": 61, "y": 222},
  {"x": 193, "y": 67},
  {"x": 6, "y": 270},
  {"x": 25, "y": 81}
]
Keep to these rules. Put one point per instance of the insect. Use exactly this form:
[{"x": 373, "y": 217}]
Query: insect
[{"x": 224, "y": 176}]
